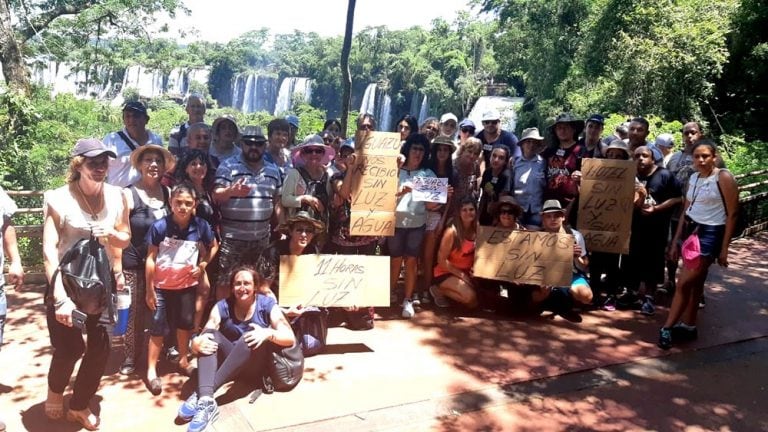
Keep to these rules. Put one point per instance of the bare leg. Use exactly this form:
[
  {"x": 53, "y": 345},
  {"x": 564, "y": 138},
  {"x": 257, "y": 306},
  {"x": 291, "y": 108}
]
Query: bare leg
[
  {"x": 683, "y": 295},
  {"x": 394, "y": 272},
  {"x": 697, "y": 290},
  {"x": 411, "y": 274},
  {"x": 182, "y": 337},
  {"x": 581, "y": 293},
  {"x": 153, "y": 355},
  {"x": 460, "y": 291},
  {"x": 203, "y": 291}
]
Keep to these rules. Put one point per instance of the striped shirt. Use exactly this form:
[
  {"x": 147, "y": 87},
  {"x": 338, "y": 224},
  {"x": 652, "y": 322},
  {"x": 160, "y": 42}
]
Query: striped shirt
[{"x": 247, "y": 218}]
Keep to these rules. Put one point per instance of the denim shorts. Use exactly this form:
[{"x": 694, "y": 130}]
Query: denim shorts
[
  {"x": 710, "y": 237},
  {"x": 406, "y": 242},
  {"x": 175, "y": 309}
]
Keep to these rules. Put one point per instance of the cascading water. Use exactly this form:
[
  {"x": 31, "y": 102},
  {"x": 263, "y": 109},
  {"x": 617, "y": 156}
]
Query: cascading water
[
  {"x": 424, "y": 110},
  {"x": 368, "y": 104},
  {"x": 252, "y": 92},
  {"x": 385, "y": 116},
  {"x": 288, "y": 88}
]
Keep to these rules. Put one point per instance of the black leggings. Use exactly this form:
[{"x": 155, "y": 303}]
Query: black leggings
[
  {"x": 68, "y": 347},
  {"x": 236, "y": 358}
]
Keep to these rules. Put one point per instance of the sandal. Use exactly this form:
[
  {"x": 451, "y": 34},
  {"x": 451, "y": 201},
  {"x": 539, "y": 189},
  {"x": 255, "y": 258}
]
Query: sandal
[
  {"x": 54, "y": 410},
  {"x": 86, "y": 418},
  {"x": 155, "y": 386}
]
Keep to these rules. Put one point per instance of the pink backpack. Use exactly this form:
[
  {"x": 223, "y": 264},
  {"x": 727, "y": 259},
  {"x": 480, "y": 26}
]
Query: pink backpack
[{"x": 691, "y": 251}]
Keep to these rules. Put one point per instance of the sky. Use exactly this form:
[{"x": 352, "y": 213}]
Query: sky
[{"x": 223, "y": 20}]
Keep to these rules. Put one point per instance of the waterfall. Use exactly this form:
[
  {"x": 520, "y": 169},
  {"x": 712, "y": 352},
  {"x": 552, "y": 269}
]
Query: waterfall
[
  {"x": 368, "y": 105},
  {"x": 424, "y": 110},
  {"x": 288, "y": 88},
  {"x": 148, "y": 83},
  {"x": 506, "y": 106},
  {"x": 385, "y": 117},
  {"x": 250, "y": 85}
]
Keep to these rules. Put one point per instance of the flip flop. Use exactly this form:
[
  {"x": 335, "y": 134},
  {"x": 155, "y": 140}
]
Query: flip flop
[{"x": 85, "y": 418}]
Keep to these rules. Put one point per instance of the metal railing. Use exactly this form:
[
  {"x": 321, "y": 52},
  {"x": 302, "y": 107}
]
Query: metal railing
[{"x": 753, "y": 205}]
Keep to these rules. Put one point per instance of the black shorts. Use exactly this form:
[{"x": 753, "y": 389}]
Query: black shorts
[{"x": 175, "y": 309}]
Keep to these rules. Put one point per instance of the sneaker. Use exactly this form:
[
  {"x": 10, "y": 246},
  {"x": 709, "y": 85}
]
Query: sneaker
[
  {"x": 128, "y": 367},
  {"x": 207, "y": 413},
  {"x": 648, "y": 308},
  {"x": 408, "y": 311},
  {"x": 426, "y": 298},
  {"x": 665, "y": 338},
  {"x": 415, "y": 299},
  {"x": 440, "y": 300},
  {"x": 684, "y": 333},
  {"x": 702, "y": 302},
  {"x": 172, "y": 354},
  {"x": 627, "y": 300},
  {"x": 610, "y": 303},
  {"x": 188, "y": 409}
]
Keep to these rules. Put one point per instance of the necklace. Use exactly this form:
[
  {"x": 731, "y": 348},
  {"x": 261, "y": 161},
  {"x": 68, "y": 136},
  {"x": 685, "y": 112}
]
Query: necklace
[{"x": 99, "y": 204}]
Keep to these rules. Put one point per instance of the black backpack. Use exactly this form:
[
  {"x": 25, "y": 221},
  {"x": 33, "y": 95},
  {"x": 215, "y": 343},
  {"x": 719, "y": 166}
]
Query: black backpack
[
  {"x": 317, "y": 189},
  {"x": 88, "y": 280},
  {"x": 285, "y": 367}
]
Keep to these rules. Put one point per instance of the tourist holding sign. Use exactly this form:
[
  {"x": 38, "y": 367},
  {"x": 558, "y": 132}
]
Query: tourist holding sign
[
  {"x": 411, "y": 219},
  {"x": 436, "y": 190}
]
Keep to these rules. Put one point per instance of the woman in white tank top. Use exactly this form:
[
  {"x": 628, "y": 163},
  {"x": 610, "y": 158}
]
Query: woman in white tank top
[{"x": 710, "y": 206}]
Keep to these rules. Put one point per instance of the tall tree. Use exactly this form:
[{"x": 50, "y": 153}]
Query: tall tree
[
  {"x": 346, "y": 78},
  {"x": 23, "y": 23}
]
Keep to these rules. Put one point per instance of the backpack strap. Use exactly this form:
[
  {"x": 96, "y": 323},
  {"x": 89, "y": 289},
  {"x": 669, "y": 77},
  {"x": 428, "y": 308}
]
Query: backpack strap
[
  {"x": 720, "y": 189},
  {"x": 127, "y": 140}
]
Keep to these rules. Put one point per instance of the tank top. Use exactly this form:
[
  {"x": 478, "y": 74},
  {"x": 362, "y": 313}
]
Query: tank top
[
  {"x": 463, "y": 258},
  {"x": 141, "y": 218},
  {"x": 232, "y": 328},
  {"x": 706, "y": 203}
]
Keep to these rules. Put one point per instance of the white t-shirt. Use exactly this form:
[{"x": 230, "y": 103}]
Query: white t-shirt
[{"x": 74, "y": 223}]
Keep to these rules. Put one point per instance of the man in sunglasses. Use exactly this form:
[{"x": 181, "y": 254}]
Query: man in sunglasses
[
  {"x": 247, "y": 189},
  {"x": 492, "y": 135}
]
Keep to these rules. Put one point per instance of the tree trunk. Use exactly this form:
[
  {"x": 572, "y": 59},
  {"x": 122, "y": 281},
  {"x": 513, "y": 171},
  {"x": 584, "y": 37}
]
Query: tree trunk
[
  {"x": 346, "y": 78},
  {"x": 14, "y": 69}
]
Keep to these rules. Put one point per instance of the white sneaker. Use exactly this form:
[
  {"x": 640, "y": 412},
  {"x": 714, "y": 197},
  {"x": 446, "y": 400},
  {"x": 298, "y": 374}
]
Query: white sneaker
[{"x": 408, "y": 311}]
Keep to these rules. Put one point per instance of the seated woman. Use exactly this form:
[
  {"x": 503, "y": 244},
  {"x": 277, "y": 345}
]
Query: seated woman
[
  {"x": 310, "y": 323},
  {"x": 233, "y": 343},
  {"x": 453, "y": 273}
]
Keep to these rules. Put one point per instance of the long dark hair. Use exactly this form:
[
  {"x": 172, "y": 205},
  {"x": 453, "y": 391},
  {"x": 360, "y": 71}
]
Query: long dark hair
[
  {"x": 413, "y": 123},
  {"x": 433, "y": 162},
  {"x": 456, "y": 221},
  {"x": 417, "y": 139},
  {"x": 189, "y": 156}
]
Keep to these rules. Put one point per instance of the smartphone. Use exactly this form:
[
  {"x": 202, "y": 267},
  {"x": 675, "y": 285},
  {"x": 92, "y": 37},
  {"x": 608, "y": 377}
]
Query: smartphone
[{"x": 78, "y": 319}]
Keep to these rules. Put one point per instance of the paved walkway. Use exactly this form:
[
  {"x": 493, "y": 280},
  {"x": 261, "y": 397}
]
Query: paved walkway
[{"x": 454, "y": 371}]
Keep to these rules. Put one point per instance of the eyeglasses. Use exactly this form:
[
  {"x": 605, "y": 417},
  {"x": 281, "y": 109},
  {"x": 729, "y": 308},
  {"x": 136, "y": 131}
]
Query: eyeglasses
[
  {"x": 313, "y": 150},
  {"x": 486, "y": 122},
  {"x": 366, "y": 127},
  {"x": 254, "y": 143},
  {"x": 431, "y": 128},
  {"x": 304, "y": 230},
  {"x": 507, "y": 211},
  {"x": 468, "y": 130}
]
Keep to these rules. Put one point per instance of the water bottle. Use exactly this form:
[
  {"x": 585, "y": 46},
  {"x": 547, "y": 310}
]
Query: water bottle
[{"x": 123, "y": 308}]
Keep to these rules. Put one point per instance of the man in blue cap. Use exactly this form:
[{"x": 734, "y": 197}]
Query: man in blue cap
[
  {"x": 293, "y": 121},
  {"x": 590, "y": 141}
]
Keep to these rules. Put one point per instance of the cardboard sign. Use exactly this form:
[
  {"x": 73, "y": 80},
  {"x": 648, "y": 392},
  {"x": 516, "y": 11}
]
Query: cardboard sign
[
  {"x": 334, "y": 280},
  {"x": 526, "y": 257},
  {"x": 374, "y": 186},
  {"x": 605, "y": 204},
  {"x": 430, "y": 189}
]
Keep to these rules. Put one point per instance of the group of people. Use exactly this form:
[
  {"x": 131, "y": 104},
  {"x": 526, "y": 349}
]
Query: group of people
[{"x": 195, "y": 232}]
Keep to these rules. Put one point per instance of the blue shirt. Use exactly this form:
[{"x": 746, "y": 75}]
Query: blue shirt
[
  {"x": 506, "y": 138},
  {"x": 529, "y": 183}
]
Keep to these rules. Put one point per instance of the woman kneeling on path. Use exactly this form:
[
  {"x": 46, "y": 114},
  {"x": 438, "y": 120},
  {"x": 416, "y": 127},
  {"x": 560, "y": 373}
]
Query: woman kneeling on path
[
  {"x": 453, "y": 273},
  {"x": 233, "y": 343}
]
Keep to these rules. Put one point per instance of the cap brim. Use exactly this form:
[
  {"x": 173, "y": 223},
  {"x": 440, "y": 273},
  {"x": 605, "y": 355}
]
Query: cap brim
[{"x": 98, "y": 152}]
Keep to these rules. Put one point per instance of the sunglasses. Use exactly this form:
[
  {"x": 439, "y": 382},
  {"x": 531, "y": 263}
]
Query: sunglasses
[
  {"x": 486, "y": 122},
  {"x": 312, "y": 150},
  {"x": 507, "y": 211},
  {"x": 254, "y": 143},
  {"x": 366, "y": 127},
  {"x": 466, "y": 129},
  {"x": 304, "y": 230}
]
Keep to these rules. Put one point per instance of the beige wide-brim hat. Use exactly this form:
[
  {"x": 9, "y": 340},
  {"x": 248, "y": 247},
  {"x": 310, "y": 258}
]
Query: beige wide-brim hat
[
  {"x": 136, "y": 155},
  {"x": 301, "y": 216}
]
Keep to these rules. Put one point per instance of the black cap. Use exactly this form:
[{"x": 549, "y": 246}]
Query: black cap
[{"x": 135, "y": 106}]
